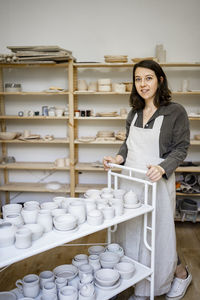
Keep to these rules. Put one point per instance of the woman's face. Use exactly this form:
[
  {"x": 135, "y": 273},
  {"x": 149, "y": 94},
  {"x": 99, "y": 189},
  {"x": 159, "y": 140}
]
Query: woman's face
[{"x": 146, "y": 83}]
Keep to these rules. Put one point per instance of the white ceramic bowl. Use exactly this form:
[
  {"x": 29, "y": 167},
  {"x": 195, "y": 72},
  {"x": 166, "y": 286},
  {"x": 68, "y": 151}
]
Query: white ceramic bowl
[
  {"x": 36, "y": 229},
  {"x": 59, "y": 200},
  {"x": 106, "y": 277},
  {"x": 105, "y": 81},
  {"x": 96, "y": 250},
  {"x": 125, "y": 269},
  {"x": 65, "y": 222},
  {"x": 32, "y": 204},
  {"x": 7, "y": 135},
  {"x": 109, "y": 259},
  {"x": 95, "y": 217},
  {"x": 92, "y": 193},
  {"x": 67, "y": 271},
  {"x": 49, "y": 205},
  {"x": 53, "y": 186},
  {"x": 7, "y": 296},
  {"x": 58, "y": 211},
  {"x": 15, "y": 219},
  {"x": 11, "y": 208}
]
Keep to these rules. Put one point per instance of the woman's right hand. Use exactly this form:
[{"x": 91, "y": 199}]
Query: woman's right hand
[{"x": 110, "y": 159}]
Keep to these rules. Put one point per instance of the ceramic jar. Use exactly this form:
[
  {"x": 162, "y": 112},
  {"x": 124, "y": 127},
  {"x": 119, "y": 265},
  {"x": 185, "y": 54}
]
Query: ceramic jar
[
  {"x": 30, "y": 214},
  {"x": 11, "y": 208},
  {"x": 77, "y": 209},
  {"x": 7, "y": 234},
  {"x": 82, "y": 85},
  {"x": 94, "y": 261},
  {"x": 23, "y": 238},
  {"x": 45, "y": 219}
]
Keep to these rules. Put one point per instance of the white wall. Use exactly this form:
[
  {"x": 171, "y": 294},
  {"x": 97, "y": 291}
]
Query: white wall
[{"x": 92, "y": 29}]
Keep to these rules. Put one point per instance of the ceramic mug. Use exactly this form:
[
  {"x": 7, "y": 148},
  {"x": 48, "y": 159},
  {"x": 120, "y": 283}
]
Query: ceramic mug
[
  {"x": 29, "y": 285},
  {"x": 46, "y": 276}
]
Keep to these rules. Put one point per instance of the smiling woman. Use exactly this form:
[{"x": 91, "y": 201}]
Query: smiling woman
[{"x": 157, "y": 139}]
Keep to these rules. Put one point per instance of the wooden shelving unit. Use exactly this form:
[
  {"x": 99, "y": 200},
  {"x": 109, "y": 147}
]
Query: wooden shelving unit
[
  {"x": 74, "y": 123},
  {"x": 33, "y": 187}
]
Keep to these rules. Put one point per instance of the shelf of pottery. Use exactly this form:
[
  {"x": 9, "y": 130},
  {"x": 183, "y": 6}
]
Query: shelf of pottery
[
  {"x": 93, "y": 99},
  {"x": 101, "y": 105},
  {"x": 32, "y": 229},
  {"x": 34, "y": 121}
]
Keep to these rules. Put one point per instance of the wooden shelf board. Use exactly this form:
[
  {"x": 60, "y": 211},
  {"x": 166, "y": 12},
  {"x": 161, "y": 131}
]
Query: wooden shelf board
[
  {"x": 108, "y": 65},
  {"x": 100, "y": 93},
  {"x": 33, "y": 64},
  {"x": 99, "y": 143},
  {"x": 32, "y": 118},
  {"x": 32, "y": 187},
  {"x": 194, "y": 118},
  {"x": 186, "y": 93},
  {"x": 90, "y": 167},
  {"x": 37, "y": 141},
  {"x": 195, "y": 142},
  {"x": 187, "y": 194},
  {"x": 32, "y": 166},
  {"x": 82, "y": 188},
  {"x": 33, "y": 93},
  {"x": 175, "y": 93},
  {"x": 102, "y": 65},
  {"x": 100, "y": 118},
  {"x": 188, "y": 169}
]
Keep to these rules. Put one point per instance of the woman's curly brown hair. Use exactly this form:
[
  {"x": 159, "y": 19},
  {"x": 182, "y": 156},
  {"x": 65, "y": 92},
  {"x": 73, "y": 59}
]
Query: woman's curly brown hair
[{"x": 163, "y": 94}]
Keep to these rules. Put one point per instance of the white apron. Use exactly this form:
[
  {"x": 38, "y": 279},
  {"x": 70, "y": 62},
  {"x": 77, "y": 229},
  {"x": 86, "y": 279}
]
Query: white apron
[{"x": 143, "y": 149}]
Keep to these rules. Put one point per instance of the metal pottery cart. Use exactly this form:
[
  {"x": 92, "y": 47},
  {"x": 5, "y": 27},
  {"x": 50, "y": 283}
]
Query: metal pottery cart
[{"x": 142, "y": 272}]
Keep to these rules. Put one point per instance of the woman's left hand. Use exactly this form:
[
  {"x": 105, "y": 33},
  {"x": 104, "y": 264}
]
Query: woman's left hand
[{"x": 155, "y": 173}]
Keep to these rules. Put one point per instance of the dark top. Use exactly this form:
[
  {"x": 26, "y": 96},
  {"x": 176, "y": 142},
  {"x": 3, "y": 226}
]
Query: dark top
[{"x": 174, "y": 137}]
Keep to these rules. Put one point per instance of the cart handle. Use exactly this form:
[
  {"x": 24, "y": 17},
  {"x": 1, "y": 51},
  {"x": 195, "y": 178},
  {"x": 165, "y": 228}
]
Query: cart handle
[{"x": 127, "y": 168}]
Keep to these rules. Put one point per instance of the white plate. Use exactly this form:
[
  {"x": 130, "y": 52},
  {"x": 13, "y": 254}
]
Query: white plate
[
  {"x": 53, "y": 186},
  {"x": 108, "y": 288},
  {"x": 65, "y": 231},
  {"x": 130, "y": 206}
]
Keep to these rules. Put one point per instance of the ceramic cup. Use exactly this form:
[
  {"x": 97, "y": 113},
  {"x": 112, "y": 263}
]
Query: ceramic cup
[
  {"x": 32, "y": 204},
  {"x": 45, "y": 219},
  {"x": 46, "y": 276},
  {"x": 77, "y": 209},
  {"x": 49, "y": 297},
  {"x": 108, "y": 213},
  {"x": 29, "y": 285},
  {"x": 48, "y": 289},
  {"x": 60, "y": 282},
  {"x": 68, "y": 293},
  {"x": 30, "y": 214},
  {"x": 23, "y": 238}
]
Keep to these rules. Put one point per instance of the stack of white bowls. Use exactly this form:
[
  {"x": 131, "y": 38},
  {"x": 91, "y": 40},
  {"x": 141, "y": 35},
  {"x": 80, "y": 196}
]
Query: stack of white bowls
[
  {"x": 104, "y": 85},
  {"x": 106, "y": 277},
  {"x": 65, "y": 222},
  {"x": 109, "y": 259}
]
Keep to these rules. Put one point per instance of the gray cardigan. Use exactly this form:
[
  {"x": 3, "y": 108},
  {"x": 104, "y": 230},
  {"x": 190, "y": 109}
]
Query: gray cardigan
[{"x": 174, "y": 135}]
